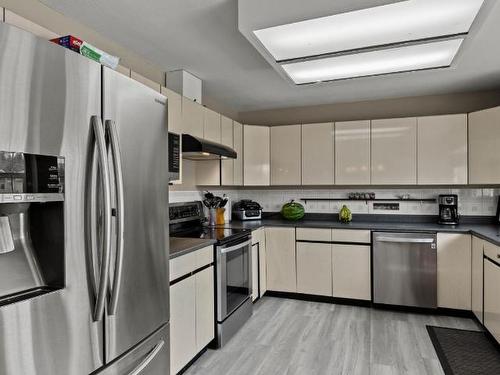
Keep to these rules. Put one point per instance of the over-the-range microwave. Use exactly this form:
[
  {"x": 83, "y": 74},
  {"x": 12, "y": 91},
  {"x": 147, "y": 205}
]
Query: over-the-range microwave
[{"x": 174, "y": 156}]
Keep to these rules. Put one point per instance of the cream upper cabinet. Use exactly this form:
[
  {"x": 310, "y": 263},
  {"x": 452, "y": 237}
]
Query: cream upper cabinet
[
  {"x": 281, "y": 263},
  {"x": 227, "y": 139},
  {"x": 238, "y": 147},
  {"x": 314, "y": 270},
  {"x": 394, "y": 151},
  {"x": 442, "y": 150},
  {"x": 484, "y": 143},
  {"x": 174, "y": 110},
  {"x": 286, "y": 155},
  {"x": 351, "y": 271},
  {"x": 192, "y": 118},
  {"x": 352, "y": 153},
  {"x": 318, "y": 143},
  {"x": 454, "y": 270},
  {"x": 211, "y": 125},
  {"x": 256, "y": 155},
  {"x": 477, "y": 277}
]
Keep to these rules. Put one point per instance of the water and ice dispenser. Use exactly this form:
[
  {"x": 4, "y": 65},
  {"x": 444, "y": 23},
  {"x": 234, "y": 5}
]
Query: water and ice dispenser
[{"x": 31, "y": 225}]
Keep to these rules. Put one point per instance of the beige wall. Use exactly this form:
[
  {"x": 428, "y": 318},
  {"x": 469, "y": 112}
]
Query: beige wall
[{"x": 377, "y": 109}]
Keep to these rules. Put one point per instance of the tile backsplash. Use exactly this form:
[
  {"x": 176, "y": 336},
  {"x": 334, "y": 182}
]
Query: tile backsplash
[{"x": 472, "y": 202}]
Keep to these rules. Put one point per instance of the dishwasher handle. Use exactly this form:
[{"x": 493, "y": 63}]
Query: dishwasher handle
[{"x": 406, "y": 240}]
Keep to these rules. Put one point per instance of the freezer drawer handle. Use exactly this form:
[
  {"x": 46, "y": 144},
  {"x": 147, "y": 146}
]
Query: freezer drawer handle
[
  {"x": 405, "y": 240},
  {"x": 236, "y": 247},
  {"x": 149, "y": 358},
  {"x": 100, "y": 141},
  {"x": 120, "y": 226}
]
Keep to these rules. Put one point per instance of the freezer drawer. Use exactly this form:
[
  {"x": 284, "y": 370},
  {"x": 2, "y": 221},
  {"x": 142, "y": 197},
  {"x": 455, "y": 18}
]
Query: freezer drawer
[
  {"x": 405, "y": 269},
  {"x": 150, "y": 357}
]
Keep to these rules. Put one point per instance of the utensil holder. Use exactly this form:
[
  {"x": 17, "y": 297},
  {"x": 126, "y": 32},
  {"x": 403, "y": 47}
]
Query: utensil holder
[
  {"x": 212, "y": 213},
  {"x": 220, "y": 220}
]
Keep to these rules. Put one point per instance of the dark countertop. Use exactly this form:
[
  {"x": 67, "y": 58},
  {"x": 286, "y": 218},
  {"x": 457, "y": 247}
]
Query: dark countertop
[
  {"x": 482, "y": 228},
  {"x": 182, "y": 246}
]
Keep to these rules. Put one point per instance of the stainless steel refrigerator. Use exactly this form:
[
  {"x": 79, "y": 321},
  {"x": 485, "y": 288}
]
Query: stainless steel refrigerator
[{"x": 85, "y": 259}]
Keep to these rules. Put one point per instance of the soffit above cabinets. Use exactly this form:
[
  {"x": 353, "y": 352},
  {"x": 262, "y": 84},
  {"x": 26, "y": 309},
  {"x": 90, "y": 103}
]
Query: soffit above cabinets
[{"x": 361, "y": 40}]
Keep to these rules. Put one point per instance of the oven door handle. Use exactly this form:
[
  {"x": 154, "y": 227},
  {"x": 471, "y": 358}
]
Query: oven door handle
[{"x": 235, "y": 247}]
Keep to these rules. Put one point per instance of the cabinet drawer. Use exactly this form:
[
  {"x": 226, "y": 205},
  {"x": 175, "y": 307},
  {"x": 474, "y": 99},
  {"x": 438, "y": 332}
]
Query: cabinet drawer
[
  {"x": 204, "y": 256},
  {"x": 182, "y": 265},
  {"x": 314, "y": 234},
  {"x": 351, "y": 235},
  {"x": 492, "y": 251}
]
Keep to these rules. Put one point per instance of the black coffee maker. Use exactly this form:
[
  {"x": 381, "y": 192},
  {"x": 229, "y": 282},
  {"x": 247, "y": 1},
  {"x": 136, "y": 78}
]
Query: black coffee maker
[{"x": 448, "y": 209}]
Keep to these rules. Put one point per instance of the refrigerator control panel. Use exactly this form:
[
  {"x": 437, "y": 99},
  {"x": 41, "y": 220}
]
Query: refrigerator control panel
[{"x": 28, "y": 177}]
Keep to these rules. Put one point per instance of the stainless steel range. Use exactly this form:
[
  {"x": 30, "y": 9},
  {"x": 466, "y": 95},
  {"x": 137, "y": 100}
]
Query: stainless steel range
[{"x": 233, "y": 272}]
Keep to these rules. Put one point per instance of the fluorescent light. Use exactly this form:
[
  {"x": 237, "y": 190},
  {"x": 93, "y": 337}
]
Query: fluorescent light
[
  {"x": 402, "y": 21},
  {"x": 394, "y": 60}
]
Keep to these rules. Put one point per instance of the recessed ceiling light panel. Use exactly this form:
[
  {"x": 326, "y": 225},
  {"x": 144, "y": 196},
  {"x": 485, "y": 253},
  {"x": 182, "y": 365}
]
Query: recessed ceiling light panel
[
  {"x": 403, "y": 21},
  {"x": 392, "y": 60}
]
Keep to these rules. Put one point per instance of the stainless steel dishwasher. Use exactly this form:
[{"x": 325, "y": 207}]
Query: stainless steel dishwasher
[{"x": 405, "y": 269}]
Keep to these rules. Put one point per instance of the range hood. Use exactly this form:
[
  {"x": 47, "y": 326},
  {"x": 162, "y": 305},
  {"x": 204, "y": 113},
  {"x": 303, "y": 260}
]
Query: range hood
[{"x": 194, "y": 148}]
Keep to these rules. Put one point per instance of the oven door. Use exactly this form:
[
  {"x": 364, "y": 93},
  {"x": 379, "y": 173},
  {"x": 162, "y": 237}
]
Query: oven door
[{"x": 234, "y": 276}]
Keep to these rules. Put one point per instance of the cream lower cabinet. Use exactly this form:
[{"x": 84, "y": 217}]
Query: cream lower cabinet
[
  {"x": 205, "y": 298},
  {"x": 394, "y": 151},
  {"x": 352, "y": 153},
  {"x": 454, "y": 270},
  {"x": 259, "y": 272},
  {"x": 256, "y": 155},
  {"x": 484, "y": 143},
  {"x": 318, "y": 154},
  {"x": 314, "y": 270},
  {"x": 442, "y": 150},
  {"x": 182, "y": 324},
  {"x": 351, "y": 271},
  {"x": 492, "y": 298},
  {"x": 477, "y": 277},
  {"x": 281, "y": 263},
  {"x": 286, "y": 155}
]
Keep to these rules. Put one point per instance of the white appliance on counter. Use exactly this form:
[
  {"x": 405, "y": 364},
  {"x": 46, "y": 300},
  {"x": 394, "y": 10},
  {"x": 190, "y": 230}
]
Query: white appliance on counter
[{"x": 89, "y": 239}]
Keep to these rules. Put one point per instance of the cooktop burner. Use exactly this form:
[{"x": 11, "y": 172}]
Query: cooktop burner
[{"x": 220, "y": 234}]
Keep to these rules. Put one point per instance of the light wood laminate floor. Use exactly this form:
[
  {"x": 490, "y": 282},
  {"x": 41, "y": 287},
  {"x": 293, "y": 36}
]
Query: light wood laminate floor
[{"x": 308, "y": 338}]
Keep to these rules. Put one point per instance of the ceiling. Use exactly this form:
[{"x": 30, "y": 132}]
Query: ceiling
[{"x": 204, "y": 38}]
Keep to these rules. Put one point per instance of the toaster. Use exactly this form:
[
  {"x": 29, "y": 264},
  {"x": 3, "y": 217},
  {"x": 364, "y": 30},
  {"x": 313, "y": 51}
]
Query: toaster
[{"x": 247, "y": 209}]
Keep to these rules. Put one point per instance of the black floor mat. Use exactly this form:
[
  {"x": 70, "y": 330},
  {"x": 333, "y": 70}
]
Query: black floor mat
[{"x": 464, "y": 352}]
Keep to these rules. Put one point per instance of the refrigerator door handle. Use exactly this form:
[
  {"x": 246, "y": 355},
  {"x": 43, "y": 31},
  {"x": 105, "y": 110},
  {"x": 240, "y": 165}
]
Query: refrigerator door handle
[
  {"x": 149, "y": 358},
  {"x": 118, "y": 174},
  {"x": 100, "y": 141}
]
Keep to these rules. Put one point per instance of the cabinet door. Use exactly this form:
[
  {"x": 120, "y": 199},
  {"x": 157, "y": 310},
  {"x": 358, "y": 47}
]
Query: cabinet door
[
  {"x": 281, "y": 264},
  {"x": 174, "y": 110},
  {"x": 352, "y": 153},
  {"x": 477, "y": 277},
  {"x": 238, "y": 147},
  {"x": 318, "y": 154},
  {"x": 351, "y": 271},
  {"x": 484, "y": 143},
  {"x": 314, "y": 271},
  {"x": 442, "y": 150},
  {"x": 255, "y": 272},
  {"x": 182, "y": 324},
  {"x": 227, "y": 166},
  {"x": 211, "y": 125},
  {"x": 256, "y": 155},
  {"x": 145, "y": 81},
  {"x": 285, "y": 155},
  {"x": 492, "y": 298},
  {"x": 192, "y": 118},
  {"x": 205, "y": 297},
  {"x": 454, "y": 270},
  {"x": 394, "y": 151},
  {"x": 262, "y": 263}
]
